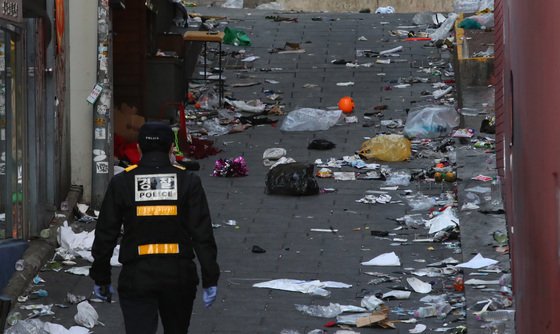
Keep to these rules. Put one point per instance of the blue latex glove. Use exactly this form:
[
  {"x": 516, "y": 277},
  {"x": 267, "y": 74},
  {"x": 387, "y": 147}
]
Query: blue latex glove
[
  {"x": 104, "y": 292},
  {"x": 209, "y": 295}
]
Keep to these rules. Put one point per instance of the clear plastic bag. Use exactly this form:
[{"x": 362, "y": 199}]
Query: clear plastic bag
[
  {"x": 309, "y": 119},
  {"x": 443, "y": 31},
  {"x": 233, "y": 4},
  {"x": 330, "y": 311},
  {"x": 431, "y": 122},
  {"x": 386, "y": 148},
  {"x": 398, "y": 178},
  {"x": 419, "y": 202},
  {"x": 208, "y": 99}
]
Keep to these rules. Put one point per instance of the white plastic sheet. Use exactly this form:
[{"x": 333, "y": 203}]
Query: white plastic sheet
[
  {"x": 418, "y": 285},
  {"x": 386, "y": 259},
  {"x": 67, "y": 239},
  {"x": 477, "y": 262},
  {"x": 315, "y": 287},
  {"x": 397, "y": 294}
]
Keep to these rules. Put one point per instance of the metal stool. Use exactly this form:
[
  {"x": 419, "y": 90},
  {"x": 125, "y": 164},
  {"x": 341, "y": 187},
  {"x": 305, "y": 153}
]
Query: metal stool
[{"x": 205, "y": 37}]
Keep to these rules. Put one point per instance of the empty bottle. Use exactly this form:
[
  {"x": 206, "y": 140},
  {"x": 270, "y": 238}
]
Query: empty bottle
[
  {"x": 426, "y": 312},
  {"x": 498, "y": 315},
  {"x": 496, "y": 193}
]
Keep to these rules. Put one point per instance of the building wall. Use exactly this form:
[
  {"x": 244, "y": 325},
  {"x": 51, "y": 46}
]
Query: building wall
[
  {"x": 82, "y": 59},
  {"x": 529, "y": 129}
]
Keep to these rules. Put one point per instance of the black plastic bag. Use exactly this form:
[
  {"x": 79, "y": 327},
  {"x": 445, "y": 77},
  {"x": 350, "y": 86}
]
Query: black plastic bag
[
  {"x": 320, "y": 144},
  {"x": 292, "y": 179}
]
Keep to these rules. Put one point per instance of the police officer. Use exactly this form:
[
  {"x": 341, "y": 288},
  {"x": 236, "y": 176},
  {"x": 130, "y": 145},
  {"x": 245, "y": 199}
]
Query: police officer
[{"x": 166, "y": 221}]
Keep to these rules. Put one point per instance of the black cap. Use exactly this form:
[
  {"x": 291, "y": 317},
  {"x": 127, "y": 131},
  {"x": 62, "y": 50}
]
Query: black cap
[{"x": 155, "y": 136}]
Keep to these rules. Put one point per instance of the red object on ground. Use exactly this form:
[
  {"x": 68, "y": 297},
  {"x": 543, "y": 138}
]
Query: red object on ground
[
  {"x": 346, "y": 104},
  {"x": 418, "y": 39}
]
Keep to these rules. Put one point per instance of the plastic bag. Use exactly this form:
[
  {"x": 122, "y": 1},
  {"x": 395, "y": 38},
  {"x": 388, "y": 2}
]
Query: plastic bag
[
  {"x": 87, "y": 316},
  {"x": 330, "y": 311},
  {"x": 208, "y": 99},
  {"x": 292, "y": 179},
  {"x": 466, "y": 6},
  {"x": 431, "y": 122},
  {"x": 28, "y": 326},
  {"x": 420, "y": 202},
  {"x": 309, "y": 119},
  {"x": 398, "y": 178},
  {"x": 423, "y": 18},
  {"x": 236, "y": 37},
  {"x": 386, "y": 148},
  {"x": 485, "y": 20},
  {"x": 443, "y": 31},
  {"x": 233, "y": 4},
  {"x": 271, "y": 6}
]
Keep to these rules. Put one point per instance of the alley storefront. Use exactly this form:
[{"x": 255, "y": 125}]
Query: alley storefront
[{"x": 34, "y": 170}]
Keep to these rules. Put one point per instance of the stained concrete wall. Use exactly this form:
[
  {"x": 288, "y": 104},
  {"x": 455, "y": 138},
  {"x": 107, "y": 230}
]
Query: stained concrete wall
[{"x": 82, "y": 61}]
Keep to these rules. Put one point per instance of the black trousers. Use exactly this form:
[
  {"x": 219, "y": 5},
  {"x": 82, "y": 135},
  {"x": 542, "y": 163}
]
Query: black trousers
[{"x": 157, "y": 285}]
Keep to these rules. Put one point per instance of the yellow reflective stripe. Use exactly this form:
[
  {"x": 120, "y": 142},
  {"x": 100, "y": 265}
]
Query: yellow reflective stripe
[
  {"x": 129, "y": 168},
  {"x": 156, "y": 210},
  {"x": 158, "y": 249}
]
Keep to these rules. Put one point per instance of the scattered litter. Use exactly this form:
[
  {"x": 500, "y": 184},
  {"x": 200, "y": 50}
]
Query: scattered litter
[
  {"x": 372, "y": 199},
  {"x": 386, "y": 259},
  {"x": 330, "y": 311},
  {"x": 345, "y": 84}
]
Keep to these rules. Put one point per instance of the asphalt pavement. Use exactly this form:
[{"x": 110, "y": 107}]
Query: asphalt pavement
[{"x": 352, "y": 232}]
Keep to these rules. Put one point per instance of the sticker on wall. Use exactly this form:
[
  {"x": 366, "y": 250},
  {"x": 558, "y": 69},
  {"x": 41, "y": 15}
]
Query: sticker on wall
[
  {"x": 94, "y": 95},
  {"x": 103, "y": 49},
  {"x": 2, "y": 57},
  {"x": 102, "y": 167},
  {"x": 103, "y": 64},
  {"x": 99, "y": 155},
  {"x": 102, "y": 110},
  {"x": 100, "y": 133}
]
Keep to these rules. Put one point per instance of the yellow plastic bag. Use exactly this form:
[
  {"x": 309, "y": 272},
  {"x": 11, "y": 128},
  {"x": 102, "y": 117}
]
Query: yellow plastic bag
[{"x": 386, "y": 148}]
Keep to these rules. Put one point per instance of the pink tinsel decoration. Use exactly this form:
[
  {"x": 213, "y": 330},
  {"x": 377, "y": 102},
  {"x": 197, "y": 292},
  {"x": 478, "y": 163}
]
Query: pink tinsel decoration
[{"x": 230, "y": 168}]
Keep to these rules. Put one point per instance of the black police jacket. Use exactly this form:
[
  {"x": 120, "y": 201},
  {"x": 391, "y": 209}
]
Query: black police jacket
[{"x": 164, "y": 211}]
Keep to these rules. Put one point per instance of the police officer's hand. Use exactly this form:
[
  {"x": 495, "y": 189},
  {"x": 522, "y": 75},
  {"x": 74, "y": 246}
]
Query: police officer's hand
[
  {"x": 104, "y": 292},
  {"x": 209, "y": 295}
]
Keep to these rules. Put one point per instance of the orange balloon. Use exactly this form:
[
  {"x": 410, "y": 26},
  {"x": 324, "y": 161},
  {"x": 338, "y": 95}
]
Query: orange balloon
[{"x": 346, "y": 104}]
